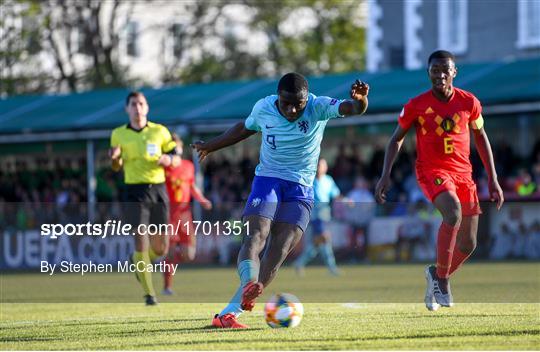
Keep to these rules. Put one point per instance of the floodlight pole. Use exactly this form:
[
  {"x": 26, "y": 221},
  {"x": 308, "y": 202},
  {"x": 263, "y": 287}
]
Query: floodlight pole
[{"x": 90, "y": 180}]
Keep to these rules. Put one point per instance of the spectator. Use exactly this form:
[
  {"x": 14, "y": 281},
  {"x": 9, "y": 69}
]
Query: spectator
[
  {"x": 525, "y": 185},
  {"x": 482, "y": 187},
  {"x": 414, "y": 234},
  {"x": 414, "y": 193},
  {"x": 506, "y": 160},
  {"x": 536, "y": 174},
  {"x": 401, "y": 207},
  {"x": 361, "y": 212},
  {"x": 363, "y": 208},
  {"x": 503, "y": 241},
  {"x": 532, "y": 244},
  {"x": 342, "y": 169}
]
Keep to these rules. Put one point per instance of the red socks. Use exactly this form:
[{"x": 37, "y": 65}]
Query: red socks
[
  {"x": 457, "y": 259},
  {"x": 167, "y": 274},
  {"x": 446, "y": 241}
]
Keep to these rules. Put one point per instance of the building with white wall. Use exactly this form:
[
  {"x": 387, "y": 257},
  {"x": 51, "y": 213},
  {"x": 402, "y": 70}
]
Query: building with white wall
[{"x": 402, "y": 34}]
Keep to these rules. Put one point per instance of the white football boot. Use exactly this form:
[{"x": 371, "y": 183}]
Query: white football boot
[
  {"x": 441, "y": 289},
  {"x": 429, "y": 298}
]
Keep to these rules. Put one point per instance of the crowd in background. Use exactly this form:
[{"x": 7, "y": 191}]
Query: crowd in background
[
  {"x": 516, "y": 240},
  {"x": 63, "y": 180},
  {"x": 57, "y": 189}
]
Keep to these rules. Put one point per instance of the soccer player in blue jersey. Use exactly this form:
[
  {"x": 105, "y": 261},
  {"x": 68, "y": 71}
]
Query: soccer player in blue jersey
[
  {"x": 320, "y": 241},
  {"x": 292, "y": 125}
]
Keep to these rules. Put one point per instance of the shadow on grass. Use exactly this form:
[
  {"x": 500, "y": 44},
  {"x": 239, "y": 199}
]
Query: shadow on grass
[
  {"x": 434, "y": 315},
  {"x": 60, "y": 323},
  {"x": 28, "y": 339},
  {"x": 322, "y": 341}
]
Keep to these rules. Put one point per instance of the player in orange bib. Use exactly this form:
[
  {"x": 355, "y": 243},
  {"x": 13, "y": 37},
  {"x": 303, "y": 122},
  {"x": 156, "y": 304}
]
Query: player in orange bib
[
  {"x": 443, "y": 118},
  {"x": 180, "y": 181}
]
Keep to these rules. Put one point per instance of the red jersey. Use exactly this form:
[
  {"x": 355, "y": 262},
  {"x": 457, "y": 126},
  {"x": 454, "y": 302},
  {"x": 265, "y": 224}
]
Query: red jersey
[
  {"x": 442, "y": 129},
  {"x": 179, "y": 181}
]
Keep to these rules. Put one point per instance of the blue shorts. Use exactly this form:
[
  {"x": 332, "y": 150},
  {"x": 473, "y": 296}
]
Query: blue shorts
[
  {"x": 280, "y": 201},
  {"x": 318, "y": 226}
]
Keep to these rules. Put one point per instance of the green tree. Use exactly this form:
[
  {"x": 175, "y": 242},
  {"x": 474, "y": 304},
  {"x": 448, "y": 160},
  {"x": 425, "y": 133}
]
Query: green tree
[
  {"x": 89, "y": 31},
  {"x": 66, "y": 30},
  {"x": 335, "y": 43},
  {"x": 19, "y": 41}
]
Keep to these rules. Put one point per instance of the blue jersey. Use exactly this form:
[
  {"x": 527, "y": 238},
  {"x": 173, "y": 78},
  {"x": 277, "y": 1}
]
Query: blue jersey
[
  {"x": 290, "y": 150},
  {"x": 325, "y": 189}
]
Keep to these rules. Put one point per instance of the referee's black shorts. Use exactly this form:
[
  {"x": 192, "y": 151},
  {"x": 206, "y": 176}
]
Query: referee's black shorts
[{"x": 145, "y": 204}]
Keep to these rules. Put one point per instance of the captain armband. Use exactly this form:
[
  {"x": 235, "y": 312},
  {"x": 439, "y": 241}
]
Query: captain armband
[
  {"x": 173, "y": 152},
  {"x": 478, "y": 123}
]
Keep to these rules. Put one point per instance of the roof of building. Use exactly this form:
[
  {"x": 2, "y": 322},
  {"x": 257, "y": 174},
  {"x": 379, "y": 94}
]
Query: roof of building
[{"x": 504, "y": 82}]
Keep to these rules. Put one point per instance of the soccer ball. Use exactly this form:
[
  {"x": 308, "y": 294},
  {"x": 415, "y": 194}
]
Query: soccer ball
[{"x": 283, "y": 310}]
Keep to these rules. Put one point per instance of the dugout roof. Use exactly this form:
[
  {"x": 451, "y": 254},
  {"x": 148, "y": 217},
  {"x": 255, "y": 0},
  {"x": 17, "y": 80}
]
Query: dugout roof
[{"x": 203, "y": 105}]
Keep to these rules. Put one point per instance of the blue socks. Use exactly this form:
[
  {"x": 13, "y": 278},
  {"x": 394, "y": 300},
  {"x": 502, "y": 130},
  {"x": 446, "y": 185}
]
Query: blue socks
[
  {"x": 326, "y": 252},
  {"x": 328, "y": 256},
  {"x": 248, "y": 271},
  {"x": 308, "y": 254}
]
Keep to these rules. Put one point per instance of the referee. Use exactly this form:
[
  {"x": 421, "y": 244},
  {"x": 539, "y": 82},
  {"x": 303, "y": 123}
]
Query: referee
[{"x": 143, "y": 149}]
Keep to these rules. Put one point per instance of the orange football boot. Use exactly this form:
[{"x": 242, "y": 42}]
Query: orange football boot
[
  {"x": 227, "y": 321},
  {"x": 251, "y": 291}
]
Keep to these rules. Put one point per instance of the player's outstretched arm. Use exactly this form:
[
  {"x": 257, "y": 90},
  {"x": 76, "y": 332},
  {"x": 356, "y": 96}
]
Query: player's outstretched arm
[
  {"x": 392, "y": 150},
  {"x": 484, "y": 150},
  {"x": 233, "y": 135},
  {"x": 359, "y": 103}
]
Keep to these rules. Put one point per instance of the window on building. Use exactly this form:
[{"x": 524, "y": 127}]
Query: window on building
[
  {"x": 397, "y": 57},
  {"x": 177, "y": 39},
  {"x": 452, "y": 19},
  {"x": 131, "y": 39},
  {"x": 528, "y": 23}
]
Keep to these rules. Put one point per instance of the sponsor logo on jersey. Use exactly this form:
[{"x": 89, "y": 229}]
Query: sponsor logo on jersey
[{"x": 304, "y": 126}]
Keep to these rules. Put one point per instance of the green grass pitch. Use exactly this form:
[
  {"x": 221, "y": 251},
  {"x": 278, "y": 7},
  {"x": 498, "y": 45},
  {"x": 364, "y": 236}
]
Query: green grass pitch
[{"x": 370, "y": 307}]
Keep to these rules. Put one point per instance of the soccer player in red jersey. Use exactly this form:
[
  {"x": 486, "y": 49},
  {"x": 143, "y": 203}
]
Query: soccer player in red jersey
[
  {"x": 442, "y": 118},
  {"x": 180, "y": 181}
]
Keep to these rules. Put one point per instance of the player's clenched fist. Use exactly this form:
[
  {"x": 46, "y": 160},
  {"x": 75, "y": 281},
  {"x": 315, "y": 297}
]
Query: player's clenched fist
[{"x": 359, "y": 90}]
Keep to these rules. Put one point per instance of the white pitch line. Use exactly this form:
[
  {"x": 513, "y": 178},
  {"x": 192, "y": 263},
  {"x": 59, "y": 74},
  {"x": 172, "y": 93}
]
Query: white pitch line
[{"x": 353, "y": 305}]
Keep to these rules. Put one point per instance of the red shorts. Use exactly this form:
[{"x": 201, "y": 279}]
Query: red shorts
[
  {"x": 183, "y": 229},
  {"x": 434, "y": 182}
]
